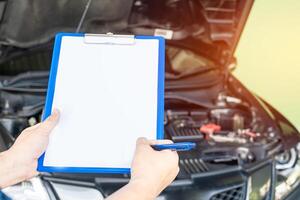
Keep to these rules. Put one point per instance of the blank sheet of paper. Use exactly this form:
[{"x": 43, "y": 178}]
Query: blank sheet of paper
[{"x": 107, "y": 96}]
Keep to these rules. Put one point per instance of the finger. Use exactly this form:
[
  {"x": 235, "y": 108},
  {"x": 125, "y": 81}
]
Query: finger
[
  {"x": 47, "y": 125},
  {"x": 31, "y": 128},
  {"x": 31, "y": 175},
  {"x": 154, "y": 142},
  {"x": 143, "y": 144},
  {"x": 141, "y": 141},
  {"x": 176, "y": 156}
]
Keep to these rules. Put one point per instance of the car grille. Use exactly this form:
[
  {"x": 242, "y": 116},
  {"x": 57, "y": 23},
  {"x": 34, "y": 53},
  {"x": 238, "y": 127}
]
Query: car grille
[
  {"x": 193, "y": 165},
  {"x": 232, "y": 194},
  {"x": 184, "y": 133}
]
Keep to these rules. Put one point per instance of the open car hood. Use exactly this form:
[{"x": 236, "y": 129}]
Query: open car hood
[{"x": 213, "y": 26}]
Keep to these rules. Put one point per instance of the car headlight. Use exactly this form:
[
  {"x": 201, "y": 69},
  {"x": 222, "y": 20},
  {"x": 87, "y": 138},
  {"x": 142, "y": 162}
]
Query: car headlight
[
  {"x": 35, "y": 190},
  {"x": 27, "y": 190},
  {"x": 71, "y": 192},
  {"x": 288, "y": 172}
]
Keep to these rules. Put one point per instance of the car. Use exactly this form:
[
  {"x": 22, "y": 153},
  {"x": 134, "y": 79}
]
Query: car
[{"x": 246, "y": 149}]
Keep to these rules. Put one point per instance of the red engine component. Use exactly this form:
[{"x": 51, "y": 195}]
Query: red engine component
[{"x": 209, "y": 129}]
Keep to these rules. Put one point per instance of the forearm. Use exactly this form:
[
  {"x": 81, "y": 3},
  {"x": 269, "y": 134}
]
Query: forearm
[
  {"x": 9, "y": 172},
  {"x": 133, "y": 191}
]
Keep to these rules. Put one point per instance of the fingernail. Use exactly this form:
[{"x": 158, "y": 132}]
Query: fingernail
[
  {"x": 54, "y": 114},
  {"x": 141, "y": 140},
  {"x": 55, "y": 111}
]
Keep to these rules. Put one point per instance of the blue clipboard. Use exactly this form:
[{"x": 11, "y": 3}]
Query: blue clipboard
[{"x": 51, "y": 91}]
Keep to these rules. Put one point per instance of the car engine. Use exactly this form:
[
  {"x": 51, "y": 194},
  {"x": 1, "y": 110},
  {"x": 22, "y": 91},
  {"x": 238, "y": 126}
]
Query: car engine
[{"x": 228, "y": 130}]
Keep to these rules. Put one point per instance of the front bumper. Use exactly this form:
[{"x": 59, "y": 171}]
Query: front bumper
[{"x": 256, "y": 183}]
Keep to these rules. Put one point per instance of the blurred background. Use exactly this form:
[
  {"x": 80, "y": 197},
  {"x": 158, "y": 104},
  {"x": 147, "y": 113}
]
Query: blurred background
[{"x": 269, "y": 55}]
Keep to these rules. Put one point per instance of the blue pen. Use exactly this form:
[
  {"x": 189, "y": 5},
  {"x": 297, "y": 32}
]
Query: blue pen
[{"x": 180, "y": 146}]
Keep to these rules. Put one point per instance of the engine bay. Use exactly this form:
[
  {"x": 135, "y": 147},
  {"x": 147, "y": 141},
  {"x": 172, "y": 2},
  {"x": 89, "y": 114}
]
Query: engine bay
[
  {"x": 228, "y": 130},
  {"x": 245, "y": 148},
  {"x": 226, "y": 138},
  {"x": 203, "y": 104}
]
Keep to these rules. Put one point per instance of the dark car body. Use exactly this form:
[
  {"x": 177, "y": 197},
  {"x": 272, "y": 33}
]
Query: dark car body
[{"x": 199, "y": 90}]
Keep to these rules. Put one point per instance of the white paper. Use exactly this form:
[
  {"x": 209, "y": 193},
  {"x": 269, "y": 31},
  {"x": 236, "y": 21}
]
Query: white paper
[{"x": 107, "y": 96}]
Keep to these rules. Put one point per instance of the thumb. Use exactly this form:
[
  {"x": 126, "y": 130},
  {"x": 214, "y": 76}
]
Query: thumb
[
  {"x": 141, "y": 141},
  {"x": 47, "y": 125}
]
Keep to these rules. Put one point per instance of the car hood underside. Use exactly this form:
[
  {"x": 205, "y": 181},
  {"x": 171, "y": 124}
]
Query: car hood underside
[{"x": 217, "y": 23}]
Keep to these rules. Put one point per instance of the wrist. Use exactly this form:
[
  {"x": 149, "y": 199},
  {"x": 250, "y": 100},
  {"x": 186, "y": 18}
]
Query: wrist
[
  {"x": 143, "y": 189},
  {"x": 10, "y": 171},
  {"x": 5, "y": 167}
]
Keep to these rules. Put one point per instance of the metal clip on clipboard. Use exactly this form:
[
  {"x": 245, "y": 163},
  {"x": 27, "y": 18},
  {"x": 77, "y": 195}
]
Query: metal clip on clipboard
[{"x": 109, "y": 38}]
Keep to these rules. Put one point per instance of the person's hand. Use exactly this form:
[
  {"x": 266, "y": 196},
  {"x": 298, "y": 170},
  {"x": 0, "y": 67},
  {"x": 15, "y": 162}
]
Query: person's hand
[
  {"x": 20, "y": 161},
  {"x": 152, "y": 171}
]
